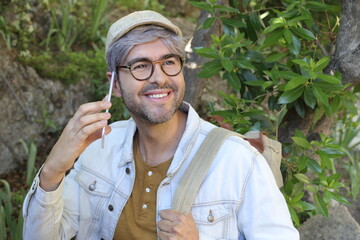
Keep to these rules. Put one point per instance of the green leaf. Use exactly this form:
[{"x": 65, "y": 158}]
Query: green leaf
[
  {"x": 288, "y": 75},
  {"x": 302, "y": 142},
  {"x": 298, "y": 197},
  {"x": 295, "y": 82},
  {"x": 356, "y": 88},
  {"x": 208, "y": 22},
  {"x": 322, "y": 7},
  {"x": 256, "y": 83},
  {"x": 233, "y": 22},
  {"x": 321, "y": 64},
  {"x": 335, "y": 104},
  {"x": 320, "y": 205},
  {"x": 207, "y": 52},
  {"x": 302, "y": 163},
  {"x": 314, "y": 166},
  {"x": 202, "y": 5},
  {"x": 298, "y": 19},
  {"x": 302, "y": 63},
  {"x": 277, "y": 57},
  {"x": 309, "y": 98},
  {"x": 295, "y": 46},
  {"x": 291, "y": 95},
  {"x": 288, "y": 35},
  {"x": 311, "y": 188},
  {"x": 273, "y": 37},
  {"x": 300, "y": 109},
  {"x": 327, "y": 196},
  {"x": 255, "y": 21},
  {"x": 307, "y": 206},
  {"x": 304, "y": 33},
  {"x": 226, "y": 9},
  {"x": 329, "y": 78},
  {"x": 340, "y": 198},
  {"x": 325, "y": 160},
  {"x": 272, "y": 27},
  {"x": 210, "y": 69},
  {"x": 320, "y": 95},
  {"x": 294, "y": 216},
  {"x": 328, "y": 87},
  {"x": 255, "y": 56},
  {"x": 227, "y": 64},
  {"x": 233, "y": 80},
  {"x": 302, "y": 178}
]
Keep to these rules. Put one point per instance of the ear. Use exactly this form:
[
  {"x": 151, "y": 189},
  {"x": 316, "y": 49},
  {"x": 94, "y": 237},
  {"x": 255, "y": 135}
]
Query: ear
[{"x": 116, "y": 87}]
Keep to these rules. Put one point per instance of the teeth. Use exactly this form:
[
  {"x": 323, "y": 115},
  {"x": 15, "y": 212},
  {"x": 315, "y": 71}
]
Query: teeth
[{"x": 158, "y": 95}]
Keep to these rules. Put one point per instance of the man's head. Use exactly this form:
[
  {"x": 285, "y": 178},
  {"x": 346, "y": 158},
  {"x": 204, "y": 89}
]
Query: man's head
[
  {"x": 138, "y": 28},
  {"x": 146, "y": 50}
]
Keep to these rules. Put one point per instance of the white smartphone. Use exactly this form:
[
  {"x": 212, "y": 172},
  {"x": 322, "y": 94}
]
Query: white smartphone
[{"x": 107, "y": 110}]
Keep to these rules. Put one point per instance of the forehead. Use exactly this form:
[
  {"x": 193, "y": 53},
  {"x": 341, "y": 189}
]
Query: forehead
[{"x": 151, "y": 50}]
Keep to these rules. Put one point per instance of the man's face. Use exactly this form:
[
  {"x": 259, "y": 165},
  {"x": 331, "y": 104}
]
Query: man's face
[{"x": 157, "y": 99}]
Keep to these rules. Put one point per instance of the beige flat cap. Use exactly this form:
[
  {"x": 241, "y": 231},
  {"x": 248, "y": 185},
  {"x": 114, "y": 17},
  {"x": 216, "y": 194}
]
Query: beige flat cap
[{"x": 135, "y": 19}]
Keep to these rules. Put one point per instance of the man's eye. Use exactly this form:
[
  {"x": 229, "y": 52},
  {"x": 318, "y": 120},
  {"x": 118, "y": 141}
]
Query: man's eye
[
  {"x": 140, "y": 66},
  {"x": 170, "y": 61}
]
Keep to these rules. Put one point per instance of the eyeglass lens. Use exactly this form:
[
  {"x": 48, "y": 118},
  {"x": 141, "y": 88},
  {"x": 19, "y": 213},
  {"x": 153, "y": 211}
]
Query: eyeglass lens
[{"x": 143, "y": 69}]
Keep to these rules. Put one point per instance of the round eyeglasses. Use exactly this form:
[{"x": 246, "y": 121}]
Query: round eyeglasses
[{"x": 143, "y": 69}]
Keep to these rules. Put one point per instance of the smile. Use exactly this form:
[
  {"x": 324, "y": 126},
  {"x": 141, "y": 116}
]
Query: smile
[{"x": 158, "y": 95}]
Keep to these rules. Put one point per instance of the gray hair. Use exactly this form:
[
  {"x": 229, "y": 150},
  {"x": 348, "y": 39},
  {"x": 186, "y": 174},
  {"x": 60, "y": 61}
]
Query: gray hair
[{"x": 119, "y": 50}]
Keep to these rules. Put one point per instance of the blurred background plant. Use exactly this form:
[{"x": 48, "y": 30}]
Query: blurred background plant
[{"x": 274, "y": 55}]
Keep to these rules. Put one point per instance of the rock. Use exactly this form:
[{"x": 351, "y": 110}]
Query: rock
[
  {"x": 340, "y": 225},
  {"x": 29, "y": 107}
]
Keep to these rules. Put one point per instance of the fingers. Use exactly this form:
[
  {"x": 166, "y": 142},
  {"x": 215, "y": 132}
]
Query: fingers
[
  {"x": 175, "y": 225},
  {"x": 90, "y": 108}
]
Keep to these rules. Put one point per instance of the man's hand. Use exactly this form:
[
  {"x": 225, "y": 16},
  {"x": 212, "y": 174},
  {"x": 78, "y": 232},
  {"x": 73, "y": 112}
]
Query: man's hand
[
  {"x": 82, "y": 129},
  {"x": 175, "y": 225}
]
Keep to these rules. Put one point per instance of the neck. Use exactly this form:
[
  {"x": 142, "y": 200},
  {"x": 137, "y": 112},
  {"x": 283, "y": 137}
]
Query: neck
[{"x": 158, "y": 142}]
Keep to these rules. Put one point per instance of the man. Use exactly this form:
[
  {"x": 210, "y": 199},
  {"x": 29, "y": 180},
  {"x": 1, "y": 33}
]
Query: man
[{"x": 125, "y": 190}]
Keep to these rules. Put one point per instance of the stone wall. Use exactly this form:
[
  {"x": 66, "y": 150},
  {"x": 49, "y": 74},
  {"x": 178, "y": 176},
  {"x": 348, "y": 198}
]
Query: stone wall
[{"x": 28, "y": 106}]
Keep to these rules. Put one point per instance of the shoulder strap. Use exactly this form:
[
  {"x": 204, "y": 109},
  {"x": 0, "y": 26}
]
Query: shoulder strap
[
  {"x": 190, "y": 183},
  {"x": 195, "y": 173}
]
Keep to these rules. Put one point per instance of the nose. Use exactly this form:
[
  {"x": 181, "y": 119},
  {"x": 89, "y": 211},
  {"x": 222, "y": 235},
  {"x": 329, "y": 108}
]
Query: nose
[{"x": 158, "y": 76}]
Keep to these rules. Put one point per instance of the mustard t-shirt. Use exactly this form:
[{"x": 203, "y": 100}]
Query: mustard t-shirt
[{"x": 138, "y": 219}]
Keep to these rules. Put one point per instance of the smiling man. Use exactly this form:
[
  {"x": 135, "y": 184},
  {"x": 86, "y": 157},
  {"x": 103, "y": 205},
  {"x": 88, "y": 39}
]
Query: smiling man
[{"x": 126, "y": 190}]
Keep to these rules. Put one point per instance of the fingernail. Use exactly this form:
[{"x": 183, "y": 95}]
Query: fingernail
[
  {"x": 106, "y": 97},
  {"x": 103, "y": 122},
  {"x": 107, "y": 104}
]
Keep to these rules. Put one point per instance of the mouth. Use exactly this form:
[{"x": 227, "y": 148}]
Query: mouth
[{"x": 158, "y": 95}]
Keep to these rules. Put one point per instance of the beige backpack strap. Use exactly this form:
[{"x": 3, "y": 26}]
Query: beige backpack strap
[
  {"x": 190, "y": 183},
  {"x": 195, "y": 173}
]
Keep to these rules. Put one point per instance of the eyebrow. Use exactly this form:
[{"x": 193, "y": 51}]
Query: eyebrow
[{"x": 148, "y": 59}]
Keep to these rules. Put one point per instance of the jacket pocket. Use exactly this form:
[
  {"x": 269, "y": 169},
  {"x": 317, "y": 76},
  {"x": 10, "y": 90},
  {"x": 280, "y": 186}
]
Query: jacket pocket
[
  {"x": 215, "y": 220},
  {"x": 95, "y": 190}
]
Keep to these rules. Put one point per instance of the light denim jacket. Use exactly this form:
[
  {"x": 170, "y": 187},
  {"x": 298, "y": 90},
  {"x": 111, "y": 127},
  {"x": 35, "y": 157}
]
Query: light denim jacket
[{"x": 239, "y": 191}]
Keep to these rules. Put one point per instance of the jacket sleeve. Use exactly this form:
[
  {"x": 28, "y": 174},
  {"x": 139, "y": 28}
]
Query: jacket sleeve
[
  {"x": 264, "y": 213},
  {"x": 44, "y": 214}
]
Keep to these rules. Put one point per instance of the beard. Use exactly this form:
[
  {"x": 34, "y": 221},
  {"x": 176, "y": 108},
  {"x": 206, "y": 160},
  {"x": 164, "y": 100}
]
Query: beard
[{"x": 153, "y": 114}]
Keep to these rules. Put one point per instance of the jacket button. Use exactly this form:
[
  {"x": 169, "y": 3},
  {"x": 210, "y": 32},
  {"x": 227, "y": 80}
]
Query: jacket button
[
  {"x": 127, "y": 170},
  {"x": 111, "y": 208}
]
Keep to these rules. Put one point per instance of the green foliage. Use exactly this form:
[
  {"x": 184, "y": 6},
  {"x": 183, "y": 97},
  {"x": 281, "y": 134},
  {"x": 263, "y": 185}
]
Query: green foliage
[
  {"x": 269, "y": 55},
  {"x": 31, "y": 151},
  {"x": 138, "y": 5},
  {"x": 11, "y": 220},
  {"x": 18, "y": 32},
  {"x": 348, "y": 131}
]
